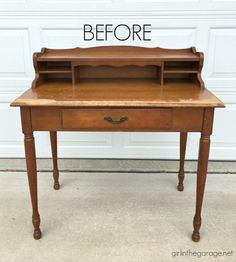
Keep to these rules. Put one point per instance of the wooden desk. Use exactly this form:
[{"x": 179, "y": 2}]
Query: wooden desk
[{"x": 118, "y": 89}]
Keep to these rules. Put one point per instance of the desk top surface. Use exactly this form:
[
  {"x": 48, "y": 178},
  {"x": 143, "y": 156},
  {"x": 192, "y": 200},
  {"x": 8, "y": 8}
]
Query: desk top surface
[{"x": 117, "y": 93}]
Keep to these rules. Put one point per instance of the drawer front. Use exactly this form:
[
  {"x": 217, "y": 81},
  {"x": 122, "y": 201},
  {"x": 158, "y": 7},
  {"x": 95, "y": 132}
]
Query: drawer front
[{"x": 117, "y": 119}]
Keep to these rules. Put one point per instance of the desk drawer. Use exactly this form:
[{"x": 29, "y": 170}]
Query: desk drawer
[{"x": 117, "y": 119}]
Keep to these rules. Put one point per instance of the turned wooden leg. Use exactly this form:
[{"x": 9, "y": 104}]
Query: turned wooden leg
[
  {"x": 201, "y": 181},
  {"x": 183, "y": 141},
  {"x": 53, "y": 138},
  {"x": 204, "y": 148},
  {"x": 32, "y": 178}
]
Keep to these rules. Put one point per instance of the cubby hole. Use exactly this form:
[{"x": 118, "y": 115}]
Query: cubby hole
[
  {"x": 122, "y": 72},
  {"x": 177, "y": 67},
  {"x": 62, "y": 67},
  {"x": 181, "y": 77},
  {"x": 117, "y": 72},
  {"x": 59, "y": 76}
]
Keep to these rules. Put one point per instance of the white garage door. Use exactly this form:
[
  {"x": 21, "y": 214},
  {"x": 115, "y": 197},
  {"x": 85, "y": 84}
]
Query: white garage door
[{"x": 28, "y": 25}]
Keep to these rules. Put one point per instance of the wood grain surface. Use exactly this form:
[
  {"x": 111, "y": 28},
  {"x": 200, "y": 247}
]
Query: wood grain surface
[{"x": 118, "y": 92}]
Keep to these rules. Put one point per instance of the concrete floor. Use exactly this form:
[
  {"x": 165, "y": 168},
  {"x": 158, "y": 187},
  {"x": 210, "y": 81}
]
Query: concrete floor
[{"x": 116, "y": 217}]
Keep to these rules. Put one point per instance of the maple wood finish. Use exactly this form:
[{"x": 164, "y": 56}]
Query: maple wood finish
[
  {"x": 183, "y": 141},
  {"x": 118, "y": 88},
  {"x": 53, "y": 139}
]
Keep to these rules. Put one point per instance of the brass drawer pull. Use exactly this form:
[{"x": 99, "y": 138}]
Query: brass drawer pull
[{"x": 115, "y": 120}]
